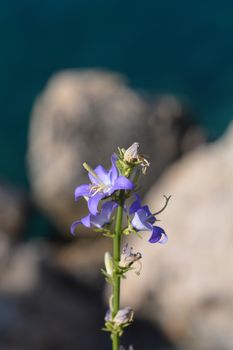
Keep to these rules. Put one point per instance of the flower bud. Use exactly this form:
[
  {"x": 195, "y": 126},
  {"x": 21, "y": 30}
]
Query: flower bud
[{"x": 108, "y": 261}]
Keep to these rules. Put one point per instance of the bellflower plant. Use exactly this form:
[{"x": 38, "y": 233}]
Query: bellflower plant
[{"x": 107, "y": 196}]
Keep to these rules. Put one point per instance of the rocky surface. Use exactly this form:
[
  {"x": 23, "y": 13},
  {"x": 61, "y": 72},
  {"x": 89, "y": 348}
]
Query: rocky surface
[
  {"x": 83, "y": 259},
  {"x": 84, "y": 116},
  {"x": 43, "y": 308},
  {"x": 14, "y": 210},
  {"x": 19, "y": 266},
  {"x": 186, "y": 286}
]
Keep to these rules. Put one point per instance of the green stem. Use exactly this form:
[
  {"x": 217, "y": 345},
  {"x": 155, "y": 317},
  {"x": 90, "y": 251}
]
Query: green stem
[{"x": 116, "y": 258}]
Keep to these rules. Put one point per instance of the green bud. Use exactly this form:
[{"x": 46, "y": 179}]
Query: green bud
[{"x": 108, "y": 261}]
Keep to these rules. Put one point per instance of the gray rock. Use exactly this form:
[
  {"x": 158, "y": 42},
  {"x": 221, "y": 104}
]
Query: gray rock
[
  {"x": 43, "y": 308},
  {"x": 14, "y": 209},
  {"x": 19, "y": 266},
  {"x": 84, "y": 116},
  {"x": 186, "y": 286},
  {"x": 83, "y": 259}
]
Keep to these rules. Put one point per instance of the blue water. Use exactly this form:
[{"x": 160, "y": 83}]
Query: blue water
[{"x": 181, "y": 47}]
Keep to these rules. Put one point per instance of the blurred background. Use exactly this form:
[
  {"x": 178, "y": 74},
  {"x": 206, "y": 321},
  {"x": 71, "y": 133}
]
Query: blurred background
[{"x": 78, "y": 79}]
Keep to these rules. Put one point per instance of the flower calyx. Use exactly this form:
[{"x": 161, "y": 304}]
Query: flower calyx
[{"x": 122, "y": 319}]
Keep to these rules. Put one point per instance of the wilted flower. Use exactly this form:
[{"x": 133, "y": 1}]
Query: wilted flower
[
  {"x": 128, "y": 258},
  {"x": 131, "y": 155},
  {"x": 103, "y": 184},
  {"x": 124, "y": 316},
  {"x": 99, "y": 220},
  {"x": 143, "y": 220}
]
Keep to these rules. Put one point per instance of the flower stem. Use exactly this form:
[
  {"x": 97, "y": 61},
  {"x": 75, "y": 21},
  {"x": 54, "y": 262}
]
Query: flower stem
[{"x": 116, "y": 258}]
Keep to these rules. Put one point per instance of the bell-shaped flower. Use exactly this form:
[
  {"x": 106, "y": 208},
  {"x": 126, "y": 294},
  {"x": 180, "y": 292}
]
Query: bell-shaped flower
[
  {"x": 103, "y": 184},
  {"x": 99, "y": 220},
  {"x": 143, "y": 220}
]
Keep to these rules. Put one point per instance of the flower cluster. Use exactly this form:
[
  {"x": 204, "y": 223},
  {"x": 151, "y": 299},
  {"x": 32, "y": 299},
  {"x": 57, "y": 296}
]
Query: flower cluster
[
  {"x": 104, "y": 187},
  {"x": 112, "y": 195}
]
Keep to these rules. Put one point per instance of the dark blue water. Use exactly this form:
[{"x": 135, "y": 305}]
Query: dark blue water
[{"x": 182, "y": 47}]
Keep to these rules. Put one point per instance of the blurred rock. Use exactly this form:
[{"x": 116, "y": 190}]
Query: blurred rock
[
  {"x": 4, "y": 249},
  {"x": 186, "y": 286},
  {"x": 83, "y": 259},
  {"x": 84, "y": 116},
  {"x": 14, "y": 209},
  {"x": 43, "y": 308},
  {"x": 19, "y": 266}
]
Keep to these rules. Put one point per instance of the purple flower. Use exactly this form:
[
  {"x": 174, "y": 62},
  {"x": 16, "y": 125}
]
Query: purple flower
[
  {"x": 143, "y": 220},
  {"x": 103, "y": 184},
  {"x": 99, "y": 220}
]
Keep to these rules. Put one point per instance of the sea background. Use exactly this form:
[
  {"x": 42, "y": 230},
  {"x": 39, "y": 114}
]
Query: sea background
[{"x": 179, "y": 47}]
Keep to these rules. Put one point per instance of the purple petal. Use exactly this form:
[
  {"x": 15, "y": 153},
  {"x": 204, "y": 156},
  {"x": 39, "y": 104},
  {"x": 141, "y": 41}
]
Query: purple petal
[
  {"x": 73, "y": 226},
  {"x": 94, "y": 180},
  {"x": 108, "y": 208},
  {"x": 157, "y": 234},
  {"x": 80, "y": 191},
  {"x": 122, "y": 183},
  {"x": 93, "y": 203},
  {"x": 103, "y": 218},
  {"x": 164, "y": 238},
  {"x": 150, "y": 217},
  {"x": 113, "y": 171},
  {"x": 98, "y": 220},
  {"x": 86, "y": 221},
  {"x": 139, "y": 221},
  {"x": 135, "y": 205},
  {"x": 102, "y": 175}
]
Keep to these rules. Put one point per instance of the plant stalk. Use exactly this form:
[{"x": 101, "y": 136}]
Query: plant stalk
[{"x": 116, "y": 258}]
